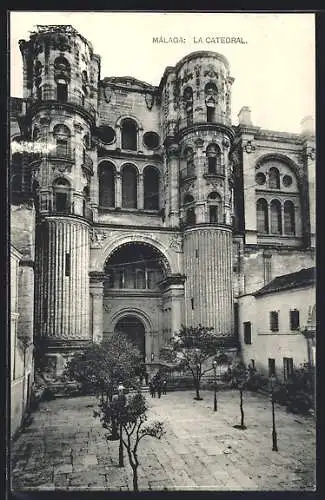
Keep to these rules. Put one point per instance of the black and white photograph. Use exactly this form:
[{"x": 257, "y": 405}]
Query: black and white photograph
[{"x": 162, "y": 251}]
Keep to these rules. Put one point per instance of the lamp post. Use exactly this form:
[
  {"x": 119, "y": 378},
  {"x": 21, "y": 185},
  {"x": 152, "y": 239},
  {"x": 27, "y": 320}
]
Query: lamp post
[
  {"x": 215, "y": 385},
  {"x": 121, "y": 403},
  {"x": 274, "y": 434}
]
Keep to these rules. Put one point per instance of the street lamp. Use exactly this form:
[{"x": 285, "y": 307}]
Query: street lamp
[
  {"x": 121, "y": 403},
  {"x": 274, "y": 435},
  {"x": 215, "y": 385}
]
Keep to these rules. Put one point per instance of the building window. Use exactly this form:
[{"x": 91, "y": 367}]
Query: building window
[
  {"x": 271, "y": 367},
  {"x": 253, "y": 363},
  {"x": 129, "y": 187},
  {"x": 151, "y": 188},
  {"x": 262, "y": 216},
  {"x": 190, "y": 167},
  {"x": 247, "y": 332},
  {"x": 274, "y": 178},
  {"x": 192, "y": 303},
  {"x": 274, "y": 321},
  {"x": 67, "y": 264},
  {"x": 289, "y": 218},
  {"x": 276, "y": 225},
  {"x": 294, "y": 320},
  {"x": 188, "y": 104},
  {"x": 213, "y": 214},
  {"x": 214, "y": 159},
  {"x": 62, "y": 92},
  {"x": 287, "y": 368},
  {"x": 129, "y": 134},
  {"x": 61, "y": 134},
  {"x": 210, "y": 114},
  {"x": 106, "y": 185},
  {"x": 61, "y": 190}
]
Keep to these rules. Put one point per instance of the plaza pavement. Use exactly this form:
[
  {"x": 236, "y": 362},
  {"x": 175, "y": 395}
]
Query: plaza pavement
[{"x": 63, "y": 448}]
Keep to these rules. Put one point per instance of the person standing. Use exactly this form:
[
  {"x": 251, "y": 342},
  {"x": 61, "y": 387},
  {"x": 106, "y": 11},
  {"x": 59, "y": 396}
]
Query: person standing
[{"x": 164, "y": 387}]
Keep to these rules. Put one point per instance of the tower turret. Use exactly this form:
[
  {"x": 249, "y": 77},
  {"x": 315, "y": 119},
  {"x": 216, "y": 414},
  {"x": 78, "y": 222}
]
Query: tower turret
[{"x": 61, "y": 75}]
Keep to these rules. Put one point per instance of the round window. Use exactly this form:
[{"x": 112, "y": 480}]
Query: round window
[
  {"x": 260, "y": 178},
  {"x": 151, "y": 140},
  {"x": 287, "y": 180},
  {"x": 106, "y": 134}
]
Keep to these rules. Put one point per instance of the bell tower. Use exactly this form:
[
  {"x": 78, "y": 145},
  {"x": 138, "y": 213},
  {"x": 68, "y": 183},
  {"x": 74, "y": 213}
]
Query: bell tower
[
  {"x": 196, "y": 103},
  {"x": 61, "y": 75}
]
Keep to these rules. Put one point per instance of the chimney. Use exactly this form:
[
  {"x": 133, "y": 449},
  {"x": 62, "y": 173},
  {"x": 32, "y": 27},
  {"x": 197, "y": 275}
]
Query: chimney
[
  {"x": 308, "y": 125},
  {"x": 244, "y": 116}
]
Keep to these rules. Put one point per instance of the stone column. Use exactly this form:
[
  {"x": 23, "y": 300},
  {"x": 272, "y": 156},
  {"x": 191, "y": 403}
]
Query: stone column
[
  {"x": 140, "y": 200},
  {"x": 118, "y": 190},
  {"x": 96, "y": 298},
  {"x": 173, "y": 183},
  {"x": 173, "y": 287}
]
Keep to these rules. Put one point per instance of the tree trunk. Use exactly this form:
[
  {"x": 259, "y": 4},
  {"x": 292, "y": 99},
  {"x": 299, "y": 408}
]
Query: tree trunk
[
  {"x": 241, "y": 409},
  {"x": 135, "y": 478},
  {"x": 197, "y": 389}
]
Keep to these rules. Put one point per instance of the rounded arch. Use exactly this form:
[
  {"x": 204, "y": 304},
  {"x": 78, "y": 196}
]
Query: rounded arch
[
  {"x": 132, "y": 311},
  {"x": 106, "y": 183},
  {"x": 121, "y": 118},
  {"x": 129, "y": 175},
  {"x": 281, "y": 158},
  {"x": 111, "y": 247},
  {"x": 262, "y": 217}
]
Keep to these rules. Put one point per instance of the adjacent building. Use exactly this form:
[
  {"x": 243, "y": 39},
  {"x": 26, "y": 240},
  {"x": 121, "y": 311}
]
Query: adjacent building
[
  {"x": 278, "y": 328},
  {"x": 152, "y": 209}
]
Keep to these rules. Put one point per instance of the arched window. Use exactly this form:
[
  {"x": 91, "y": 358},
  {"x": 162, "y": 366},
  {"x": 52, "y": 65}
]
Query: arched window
[
  {"x": 262, "y": 216},
  {"x": 214, "y": 205},
  {"x": 274, "y": 178},
  {"x": 129, "y": 134},
  {"x": 289, "y": 218},
  {"x": 61, "y": 135},
  {"x": 129, "y": 187},
  {"x": 214, "y": 159},
  {"x": 190, "y": 167},
  {"x": 62, "y": 78},
  {"x": 106, "y": 179},
  {"x": 276, "y": 223},
  {"x": 61, "y": 192},
  {"x": 211, "y": 94},
  {"x": 188, "y": 103},
  {"x": 151, "y": 188}
]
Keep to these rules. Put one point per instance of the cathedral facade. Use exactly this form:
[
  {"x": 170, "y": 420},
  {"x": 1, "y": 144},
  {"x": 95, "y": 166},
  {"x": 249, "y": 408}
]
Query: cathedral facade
[{"x": 151, "y": 209}]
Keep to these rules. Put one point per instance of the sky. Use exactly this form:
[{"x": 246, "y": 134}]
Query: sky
[{"x": 274, "y": 69}]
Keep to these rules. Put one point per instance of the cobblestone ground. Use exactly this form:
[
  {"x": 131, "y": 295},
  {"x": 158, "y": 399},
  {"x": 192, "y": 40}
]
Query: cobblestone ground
[{"x": 64, "y": 448}]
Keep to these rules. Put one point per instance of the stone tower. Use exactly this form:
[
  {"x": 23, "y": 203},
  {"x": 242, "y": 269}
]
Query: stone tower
[
  {"x": 61, "y": 75},
  {"x": 196, "y": 123}
]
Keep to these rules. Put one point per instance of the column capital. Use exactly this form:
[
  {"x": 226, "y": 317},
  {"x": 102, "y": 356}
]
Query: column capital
[{"x": 96, "y": 276}]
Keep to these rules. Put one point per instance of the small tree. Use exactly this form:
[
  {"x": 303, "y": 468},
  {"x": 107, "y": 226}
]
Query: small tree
[
  {"x": 190, "y": 349},
  {"x": 240, "y": 377},
  {"x": 101, "y": 367},
  {"x": 131, "y": 418}
]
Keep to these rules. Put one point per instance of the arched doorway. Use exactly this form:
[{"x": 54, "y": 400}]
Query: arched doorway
[{"x": 132, "y": 328}]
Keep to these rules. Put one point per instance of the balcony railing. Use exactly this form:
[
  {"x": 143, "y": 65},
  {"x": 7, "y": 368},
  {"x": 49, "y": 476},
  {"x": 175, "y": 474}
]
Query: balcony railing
[
  {"x": 61, "y": 154},
  {"x": 87, "y": 212},
  {"x": 73, "y": 98}
]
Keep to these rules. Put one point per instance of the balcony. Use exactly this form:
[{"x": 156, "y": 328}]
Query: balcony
[
  {"x": 62, "y": 155},
  {"x": 73, "y": 99},
  {"x": 69, "y": 211}
]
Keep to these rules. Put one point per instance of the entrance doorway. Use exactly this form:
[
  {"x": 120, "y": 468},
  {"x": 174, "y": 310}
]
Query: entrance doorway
[{"x": 132, "y": 328}]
